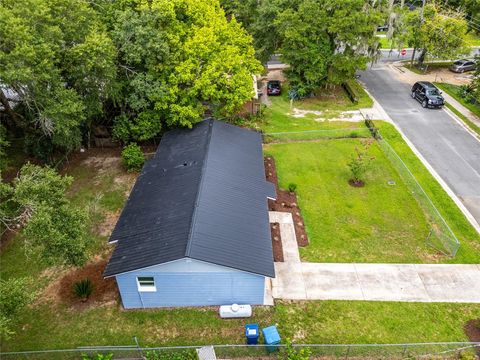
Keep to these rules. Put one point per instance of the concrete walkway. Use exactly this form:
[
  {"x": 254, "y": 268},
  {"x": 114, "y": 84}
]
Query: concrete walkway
[{"x": 384, "y": 282}]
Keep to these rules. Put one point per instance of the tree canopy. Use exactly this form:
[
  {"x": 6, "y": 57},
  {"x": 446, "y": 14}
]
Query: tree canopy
[
  {"x": 58, "y": 60},
  {"x": 138, "y": 65},
  {"x": 37, "y": 202},
  {"x": 438, "y": 32}
]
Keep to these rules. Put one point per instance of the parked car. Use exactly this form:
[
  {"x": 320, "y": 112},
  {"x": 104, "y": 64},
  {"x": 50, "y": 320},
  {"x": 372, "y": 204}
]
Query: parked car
[
  {"x": 463, "y": 65},
  {"x": 274, "y": 87},
  {"x": 427, "y": 94}
]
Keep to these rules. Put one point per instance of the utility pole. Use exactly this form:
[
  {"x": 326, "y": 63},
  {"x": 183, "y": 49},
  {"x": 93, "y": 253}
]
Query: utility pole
[{"x": 421, "y": 22}]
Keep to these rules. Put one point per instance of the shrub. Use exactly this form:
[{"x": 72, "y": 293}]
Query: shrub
[
  {"x": 133, "y": 157},
  {"x": 15, "y": 294},
  {"x": 358, "y": 165},
  {"x": 293, "y": 354},
  {"x": 292, "y": 187},
  {"x": 83, "y": 289}
]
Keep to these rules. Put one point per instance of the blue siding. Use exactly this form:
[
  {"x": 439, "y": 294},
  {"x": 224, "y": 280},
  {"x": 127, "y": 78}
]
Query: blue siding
[{"x": 192, "y": 289}]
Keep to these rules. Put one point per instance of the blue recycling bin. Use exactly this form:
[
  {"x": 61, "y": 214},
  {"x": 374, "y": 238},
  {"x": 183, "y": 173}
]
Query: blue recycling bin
[
  {"x": 272, "y": 338},
  {"x": 252, "y": 334}
]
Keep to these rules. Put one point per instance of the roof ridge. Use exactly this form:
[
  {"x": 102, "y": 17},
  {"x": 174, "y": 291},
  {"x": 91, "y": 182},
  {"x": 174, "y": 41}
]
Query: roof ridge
[{"x": 211, "y": 122}]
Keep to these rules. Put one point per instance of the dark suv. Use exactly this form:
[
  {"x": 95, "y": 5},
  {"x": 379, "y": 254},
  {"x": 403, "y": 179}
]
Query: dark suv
[{"x": 427, "y": 94}]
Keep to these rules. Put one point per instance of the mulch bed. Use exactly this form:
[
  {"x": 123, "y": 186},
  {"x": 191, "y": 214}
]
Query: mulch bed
[
  {"x": 472, "y": 330},
  {"x": 276, "y": 242},
  {"x": 286, "y": 202},
  {"x": 104, "y": 290}
]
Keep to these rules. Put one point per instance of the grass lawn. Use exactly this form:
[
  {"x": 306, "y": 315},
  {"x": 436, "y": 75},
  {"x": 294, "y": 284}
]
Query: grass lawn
[
  {"x": 335, "y": 322},
  {"x": 469, "y": 251},
  {"x": 472, "y": 39},
  {"x": 454, "y": 91},
  {"x": 429, "y": 67},
  {"x": 328, "y": 104},
  {"x": 376, "y": 223}
]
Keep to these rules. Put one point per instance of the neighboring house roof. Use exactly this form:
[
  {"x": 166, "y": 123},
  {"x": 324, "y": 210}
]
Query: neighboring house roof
[{"x": 203, "y": 196}]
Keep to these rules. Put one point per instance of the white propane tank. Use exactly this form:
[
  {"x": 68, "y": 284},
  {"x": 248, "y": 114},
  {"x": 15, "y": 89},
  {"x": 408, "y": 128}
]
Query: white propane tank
[{"x": 235, "y": 311}]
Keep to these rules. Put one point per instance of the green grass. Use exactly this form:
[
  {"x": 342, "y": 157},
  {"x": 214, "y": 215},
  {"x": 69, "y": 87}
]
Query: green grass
[
  {"x": 429, "y": 67},
  {"x": 472, "y": 39},
  {"x": 469, "y": 251},
  {"x": 335, "y": 322},
  {"x": 331, "y": 103},
  {"x": 384, "y": 42},
  {"x": 454, "y": 91},
  {"x": 462, "y": 117},
  {"x": 376, "y": 223}
]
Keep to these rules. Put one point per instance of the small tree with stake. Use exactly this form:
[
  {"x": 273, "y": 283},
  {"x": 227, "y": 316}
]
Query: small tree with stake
[{"x": 359, "y": 165}]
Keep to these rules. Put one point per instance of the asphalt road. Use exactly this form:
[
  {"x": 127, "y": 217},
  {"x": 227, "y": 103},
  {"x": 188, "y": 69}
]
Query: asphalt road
[{"x": 446, "y": 145}]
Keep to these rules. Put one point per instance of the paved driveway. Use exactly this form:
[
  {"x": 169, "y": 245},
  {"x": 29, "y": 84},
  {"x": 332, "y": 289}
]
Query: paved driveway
[
  {"x": 296, "y": 280},
  {"x": 452, "y": 151}
]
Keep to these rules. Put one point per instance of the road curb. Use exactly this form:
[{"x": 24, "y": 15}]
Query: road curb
[
  {"x": 432, "y": 171},
  {"x": 460, "y": 122}
]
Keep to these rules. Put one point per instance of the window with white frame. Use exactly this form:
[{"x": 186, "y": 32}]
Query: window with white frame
[{"x": 146, "y": 284}]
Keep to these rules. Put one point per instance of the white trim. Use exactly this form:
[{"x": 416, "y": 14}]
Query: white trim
[
  {"x": 145, "y": 269},
  {"x": 146, "y": 288}
]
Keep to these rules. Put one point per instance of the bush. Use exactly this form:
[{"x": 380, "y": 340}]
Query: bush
[
  {"x": 83, "y": 289},
  {"x": 293, "y": 354},
  {"x": 292, "y": 187},
  {"x": 133, "y": 157},
  {"x": 15, "y": 294}
]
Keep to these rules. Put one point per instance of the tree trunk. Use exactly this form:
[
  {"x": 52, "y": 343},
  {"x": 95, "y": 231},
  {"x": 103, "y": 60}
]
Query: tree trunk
[
  {"x": 13, "y": 119},
  {"x": 413, "y": 56},
  {"x": 421, "y": 58}
]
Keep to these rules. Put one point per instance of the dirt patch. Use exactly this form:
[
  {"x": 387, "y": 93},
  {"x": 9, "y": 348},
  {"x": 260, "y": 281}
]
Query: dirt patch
[
  {"x": 357, "y": 184},
  {"x": 472, "y": 330},
  {"x": 276, "y": 242},
  {"x": 286, "y": 201},
  {"x": 104, "y": 292},
  {"x": 109, "y": 222}
]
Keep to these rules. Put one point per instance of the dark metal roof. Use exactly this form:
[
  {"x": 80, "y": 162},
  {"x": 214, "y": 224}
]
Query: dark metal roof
[{"x": 203, "y": 196}]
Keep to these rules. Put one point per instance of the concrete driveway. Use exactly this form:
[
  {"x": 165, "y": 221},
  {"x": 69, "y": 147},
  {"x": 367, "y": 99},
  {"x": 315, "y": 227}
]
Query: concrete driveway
[
  {"x": 296, "y": 280},
  {"x": 377, "y": 282},
  {"x": 445, "y": 144}
]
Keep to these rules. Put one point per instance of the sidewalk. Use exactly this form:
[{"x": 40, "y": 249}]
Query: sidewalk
[
  {"x": 467, "y": 113},
  {"x": 382, "y": 282}
]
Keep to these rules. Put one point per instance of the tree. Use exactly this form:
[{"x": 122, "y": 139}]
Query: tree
[
  {"x": 37, "y": 202},
  {"x": 178, "y": 61},
  {"x": 325, "y": 42},
  {"x": 58, "y": 60},
  {"x": 439, "y": 33},
  {"x": 358, "y": 165},
  {"x": 4, "y": 144}
]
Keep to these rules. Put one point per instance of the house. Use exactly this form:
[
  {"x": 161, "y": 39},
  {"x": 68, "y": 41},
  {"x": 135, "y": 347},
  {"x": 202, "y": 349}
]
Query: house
[{"x": 195, "y": 229}]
